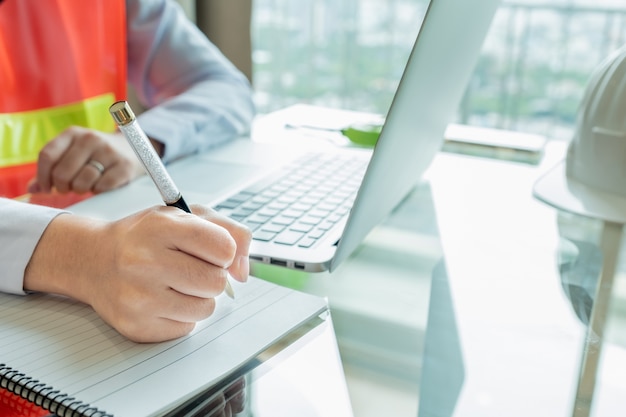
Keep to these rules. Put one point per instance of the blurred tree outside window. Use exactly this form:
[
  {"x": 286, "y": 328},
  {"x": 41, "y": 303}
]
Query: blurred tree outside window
[{"x": 531, "y": 75}]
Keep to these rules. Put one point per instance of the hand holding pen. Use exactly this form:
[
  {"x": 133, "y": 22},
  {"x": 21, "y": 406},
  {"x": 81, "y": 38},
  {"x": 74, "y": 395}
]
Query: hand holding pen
[
  {"x": 128, "y": 125},
  {"x": 151, "y": 275}
]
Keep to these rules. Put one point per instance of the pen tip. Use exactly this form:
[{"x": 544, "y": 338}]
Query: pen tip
[{"x": 229, "y": 290}]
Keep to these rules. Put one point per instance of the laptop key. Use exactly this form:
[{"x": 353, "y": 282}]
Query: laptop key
[
  {"x": 251, "y": 205},
  {"x": 302, "y": 206},
  {"x": 236, "y": 217},
  {"x": 255, "y": 218},
  {"x": 263, "y": 235},
  {"x": 310, "y": 220},
  {"x": 319, "y": 213},
  {"x": 325, "y": 225},
  {"x": 301, "y": 227},
  {"x": 228, "y": 204},
  {"x": 268, "y": 212},
  {"x": 293, "y": 213},
  {"x": 306, "y": 242},
  {"x": 242, "y": 212},
  {"x": 261, "y": 199},
  {"x": 251, "y": 226},
  {"x": 285, "y": 221},
  {"x": 334, "y": 217},
  {"x": 317, "y": 233},
  {"x": 275, "y": 205},
  {"x": 288, "y": 237},
  {"x": 327, "y": 206},
  {"x": 273, "y": 227}
]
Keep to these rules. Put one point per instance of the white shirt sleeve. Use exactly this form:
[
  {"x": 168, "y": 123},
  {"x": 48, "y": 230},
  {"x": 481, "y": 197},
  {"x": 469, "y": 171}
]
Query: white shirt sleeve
[
  {"x": 21, "y": 227},
  {"x": 195, "y": 97}
]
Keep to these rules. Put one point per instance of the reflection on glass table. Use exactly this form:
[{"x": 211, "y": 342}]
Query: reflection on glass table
[
  {"x": 301, "y": 375},
  {"x": 510, "y": 305},
  {"x": 379, "y": 297},
  {"x": 592, "y": 258}
]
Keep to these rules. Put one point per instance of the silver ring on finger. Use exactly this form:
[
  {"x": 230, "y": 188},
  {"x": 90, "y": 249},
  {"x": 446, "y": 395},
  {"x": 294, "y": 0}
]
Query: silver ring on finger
[{"x": 97, "y": 165}]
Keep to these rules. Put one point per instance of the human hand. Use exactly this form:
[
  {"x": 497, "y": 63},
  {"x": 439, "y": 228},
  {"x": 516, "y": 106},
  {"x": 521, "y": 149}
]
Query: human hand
[
  {"x": 240, "y": 267},
  {"x": 83, "y": 160},
  {"x": 151, "y": 275}
]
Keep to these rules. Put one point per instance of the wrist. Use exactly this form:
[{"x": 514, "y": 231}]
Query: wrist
[{"x": 66, "y": 257}]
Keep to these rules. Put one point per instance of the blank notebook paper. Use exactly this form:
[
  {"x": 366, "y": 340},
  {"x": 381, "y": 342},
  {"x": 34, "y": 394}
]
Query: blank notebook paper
[{"x": 59, "y": 354}]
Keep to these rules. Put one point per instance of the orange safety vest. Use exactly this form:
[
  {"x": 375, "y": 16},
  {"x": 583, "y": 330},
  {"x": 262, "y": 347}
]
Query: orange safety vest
[
  {"x": 62, "y": 63},
  {"x": 12, "y": 405}
]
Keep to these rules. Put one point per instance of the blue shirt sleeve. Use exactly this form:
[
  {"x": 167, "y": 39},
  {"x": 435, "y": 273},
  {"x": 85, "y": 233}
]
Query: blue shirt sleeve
[{"x": 195, "y": 97}]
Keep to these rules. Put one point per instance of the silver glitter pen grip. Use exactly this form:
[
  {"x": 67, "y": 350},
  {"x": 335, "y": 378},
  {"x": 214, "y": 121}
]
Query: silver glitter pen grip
[
  {"x": 136, "y": 137},
  {"x": 151, "y": 161}
]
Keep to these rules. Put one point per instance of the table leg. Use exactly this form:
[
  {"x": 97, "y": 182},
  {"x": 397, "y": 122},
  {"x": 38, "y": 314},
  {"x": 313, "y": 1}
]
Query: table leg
[{"x": 610, "y": 246}]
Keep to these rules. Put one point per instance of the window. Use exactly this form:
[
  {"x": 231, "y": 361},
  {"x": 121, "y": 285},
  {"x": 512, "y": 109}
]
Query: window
[{"x": 535, "y": 64}]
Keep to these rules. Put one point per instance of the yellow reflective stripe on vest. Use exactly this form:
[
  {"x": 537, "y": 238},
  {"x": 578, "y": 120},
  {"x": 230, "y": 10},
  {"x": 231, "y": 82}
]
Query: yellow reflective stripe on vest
[{"x": 22, "y": 135}]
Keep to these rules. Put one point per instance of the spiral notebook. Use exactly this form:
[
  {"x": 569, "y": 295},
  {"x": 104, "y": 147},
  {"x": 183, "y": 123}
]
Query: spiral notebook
[{"x": 59, "y": 355}]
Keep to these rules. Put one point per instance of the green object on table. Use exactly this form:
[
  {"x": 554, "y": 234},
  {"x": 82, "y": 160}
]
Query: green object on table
[
  {"x": 363, "y": 134},
  {"x": 285, "y": 277}
]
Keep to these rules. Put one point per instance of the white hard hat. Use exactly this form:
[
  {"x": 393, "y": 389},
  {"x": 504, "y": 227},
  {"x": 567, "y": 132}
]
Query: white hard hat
[{"x": 592, "y": 179}]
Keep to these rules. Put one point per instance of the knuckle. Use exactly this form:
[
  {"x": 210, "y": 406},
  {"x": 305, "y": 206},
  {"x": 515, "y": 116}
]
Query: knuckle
[
  {"x": 207, "y": 308},
  {"x": 73, "y": 130},
  {"x": 109, "y": 152},
  {"x": 45, "y": 155},
  {"x": 229, "y": 246},
  {"x": 158, "y": 215},
  {"x": 60, "y": 177},
  {"x": 83, "y": 134}
]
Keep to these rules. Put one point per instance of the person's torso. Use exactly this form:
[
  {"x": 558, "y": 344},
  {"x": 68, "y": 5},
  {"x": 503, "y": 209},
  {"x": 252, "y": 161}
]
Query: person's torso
[{"x": 62, "y": 63}]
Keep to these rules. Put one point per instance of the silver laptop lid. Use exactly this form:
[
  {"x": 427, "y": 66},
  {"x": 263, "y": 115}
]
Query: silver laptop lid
[{"x": 439, "y": 67}]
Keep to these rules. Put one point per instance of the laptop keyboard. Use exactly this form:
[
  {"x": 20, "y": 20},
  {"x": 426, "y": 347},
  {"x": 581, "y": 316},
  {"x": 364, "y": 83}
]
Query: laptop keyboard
[{"x": 297, "y": 206}]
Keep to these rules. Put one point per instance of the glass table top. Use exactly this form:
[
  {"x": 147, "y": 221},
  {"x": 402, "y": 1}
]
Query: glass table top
[
  {"x": 483, "y": 296},
  {"x": 517, "y": 324}
]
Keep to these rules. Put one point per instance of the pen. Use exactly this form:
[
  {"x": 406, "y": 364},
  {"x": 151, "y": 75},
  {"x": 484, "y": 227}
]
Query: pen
[{"x": 136, "y": 137}]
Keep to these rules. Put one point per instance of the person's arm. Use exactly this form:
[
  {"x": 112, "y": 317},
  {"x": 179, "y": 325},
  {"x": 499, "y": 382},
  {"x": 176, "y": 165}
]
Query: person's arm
[
  {"x": 195, "y": 98},
  {"x": 151, "y": 275}
]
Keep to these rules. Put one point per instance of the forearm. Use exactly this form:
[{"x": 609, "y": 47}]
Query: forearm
[
  {"x": 210, "y": 113},
  {"x": 194, "y": 97},
  {"x": 66, "y": 257}
]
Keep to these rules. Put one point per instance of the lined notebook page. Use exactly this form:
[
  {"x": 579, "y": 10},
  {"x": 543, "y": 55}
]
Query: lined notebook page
[{"x": 66, "y": 345}]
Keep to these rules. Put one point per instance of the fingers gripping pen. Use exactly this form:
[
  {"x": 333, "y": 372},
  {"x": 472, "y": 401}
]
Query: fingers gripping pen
[{"x": 136, "y": 137}]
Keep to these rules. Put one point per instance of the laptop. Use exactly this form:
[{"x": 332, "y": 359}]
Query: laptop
[{"x": 245, "y": 179}]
